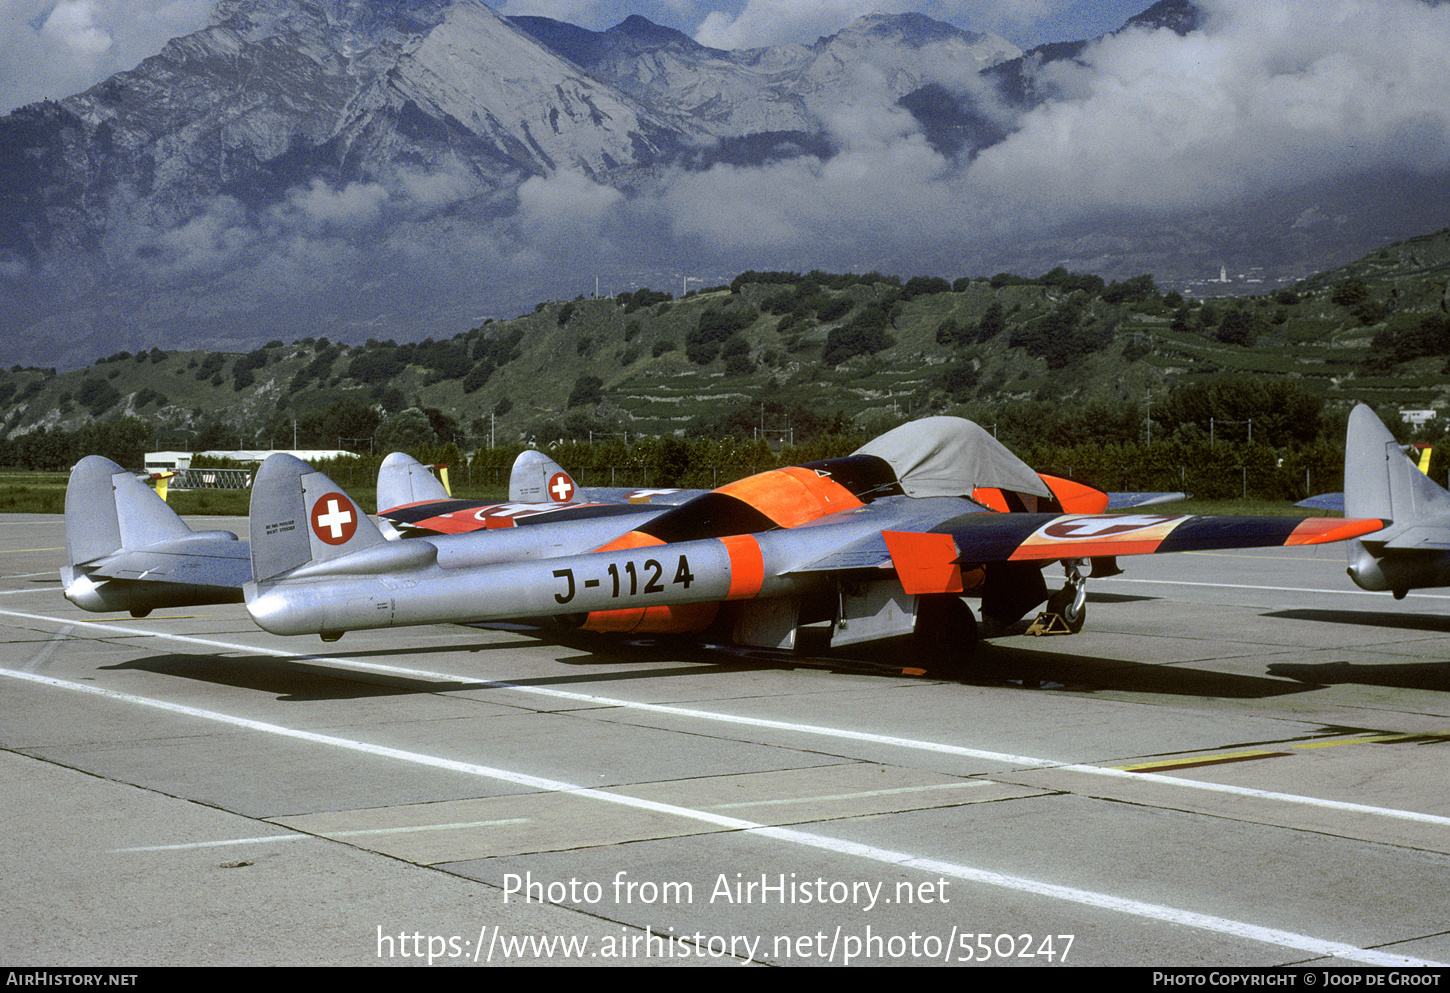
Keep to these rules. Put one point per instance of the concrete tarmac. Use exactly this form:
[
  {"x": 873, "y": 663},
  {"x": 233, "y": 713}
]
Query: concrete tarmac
[{"x": 1241, "y": 761}]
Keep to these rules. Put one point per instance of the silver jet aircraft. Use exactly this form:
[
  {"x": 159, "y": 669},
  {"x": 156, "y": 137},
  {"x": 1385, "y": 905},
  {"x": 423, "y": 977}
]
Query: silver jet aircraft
[
  {"x": 412, "y": 502},
  {"x": 1413, "y": 550},
  {"x": 881, "y": 543},
  {"x": 126, "y": 549}
]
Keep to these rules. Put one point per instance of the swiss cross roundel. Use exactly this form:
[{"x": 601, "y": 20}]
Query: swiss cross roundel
[
  {"x": 561, "y": 487},
  {"x": 334, "y": 519}
]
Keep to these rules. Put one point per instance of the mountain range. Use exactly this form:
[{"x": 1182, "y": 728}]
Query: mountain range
[{"x": 406, "y": 168}]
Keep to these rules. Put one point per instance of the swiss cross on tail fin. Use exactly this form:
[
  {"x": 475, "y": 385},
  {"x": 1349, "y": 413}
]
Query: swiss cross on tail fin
[
  {"x": 334, "y": 519},
  {"x": 561, "y": 488},
  {"x": 299, "y": 516}
]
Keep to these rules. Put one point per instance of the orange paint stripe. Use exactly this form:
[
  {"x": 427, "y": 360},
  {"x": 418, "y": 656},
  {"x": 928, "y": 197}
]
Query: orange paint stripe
[
  {"x": 1317, "y": 530},
  {"x": 614, "y": 621},
  {"x": 747, "y": 566},
  {"x": 635, "y": 539},
  {"x": 688, "y": 618},
  {"x": 792, "y": 496},
  {"x": 1084, "y": 549}
]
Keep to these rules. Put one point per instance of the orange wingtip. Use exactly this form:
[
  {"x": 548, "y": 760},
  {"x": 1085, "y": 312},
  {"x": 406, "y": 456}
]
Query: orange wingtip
[
  {"x": 925, "y": 563},
  {"x": 1322, "y": 530},
  {"x": 1075, "y": 497}
]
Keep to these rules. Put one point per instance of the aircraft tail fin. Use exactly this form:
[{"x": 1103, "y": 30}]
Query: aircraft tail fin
[
  {"x": 1379, "y": 480},
  {"x": 127, "y": 550},
  {"x": 536, "y": 478},
  {"x": 108, "y": 509},
  {"x": 402, "y": 480},
  {"x": 300, "y": 517}
]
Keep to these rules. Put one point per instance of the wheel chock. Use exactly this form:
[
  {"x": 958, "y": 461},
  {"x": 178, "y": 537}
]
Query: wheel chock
[{"x": 1048, "y": 623}]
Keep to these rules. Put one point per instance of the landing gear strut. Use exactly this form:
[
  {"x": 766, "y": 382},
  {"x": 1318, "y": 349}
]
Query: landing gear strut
[{"x": 1067, "y": 608}]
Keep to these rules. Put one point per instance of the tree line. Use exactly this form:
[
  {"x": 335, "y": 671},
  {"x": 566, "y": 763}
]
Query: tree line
[{"x": 1222, "y": 438}]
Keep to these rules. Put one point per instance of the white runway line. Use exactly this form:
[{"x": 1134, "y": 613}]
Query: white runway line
[
  {"x": 1171, "y": 915},
  {"x": 866, "y": 737}
]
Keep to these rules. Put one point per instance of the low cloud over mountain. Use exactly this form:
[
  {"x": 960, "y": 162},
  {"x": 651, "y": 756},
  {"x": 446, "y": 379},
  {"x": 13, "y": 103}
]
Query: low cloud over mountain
[{"x": 405, "y": 170}]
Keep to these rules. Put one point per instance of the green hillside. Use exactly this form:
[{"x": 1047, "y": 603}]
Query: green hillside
[{"x": 793, "y": 354}]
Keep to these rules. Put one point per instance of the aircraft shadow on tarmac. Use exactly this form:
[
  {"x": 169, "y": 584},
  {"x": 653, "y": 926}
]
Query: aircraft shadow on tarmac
[
  {"x": 1368, "y": 618},
  {"x": 1398, "y": 675},
  {"x": 1119, "y": 598},
  {"x": 291, "y": 679},
  {"x": 997, "y": 663},
  {"x": 300, "y": 680},
  {"x": 1000, "y": 664},
  {"x": 1411, "y": 674}
]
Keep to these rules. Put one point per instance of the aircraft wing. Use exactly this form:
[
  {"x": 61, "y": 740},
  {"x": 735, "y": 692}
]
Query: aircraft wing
[
  {"x": 435, "y": 517},
  {"x": 1036, "y": 536},
  {"x": 918, "y": 544},
  {"x": 1127, "y": 501},
  {"x": 662, "y": 496},
  {"x": 1324, "y": 501}
]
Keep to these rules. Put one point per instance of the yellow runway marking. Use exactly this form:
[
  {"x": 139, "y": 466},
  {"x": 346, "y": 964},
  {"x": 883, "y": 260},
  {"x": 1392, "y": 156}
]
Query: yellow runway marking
[
  {"x": 1197, "y": 760},
  {"x": 1226, "y": 757}
]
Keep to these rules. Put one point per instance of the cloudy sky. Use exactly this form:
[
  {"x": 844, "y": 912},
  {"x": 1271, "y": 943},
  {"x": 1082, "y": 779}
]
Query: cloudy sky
[
  {"x": 53, "y": 48},
  {"x": 1270, "y": 97}
]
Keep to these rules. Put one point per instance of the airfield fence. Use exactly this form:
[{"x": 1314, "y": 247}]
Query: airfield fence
[{"x": 211, "y": 479}]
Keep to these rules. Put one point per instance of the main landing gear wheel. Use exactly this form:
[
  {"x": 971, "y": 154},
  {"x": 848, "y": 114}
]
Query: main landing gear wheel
[
  {"x": 945, "y": 637},
  {"x": 1071, "y": 606}
]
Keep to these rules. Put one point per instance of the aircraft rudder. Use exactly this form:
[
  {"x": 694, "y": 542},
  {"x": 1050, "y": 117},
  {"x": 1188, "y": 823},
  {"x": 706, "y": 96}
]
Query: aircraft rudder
[
  {"x": 536, "y": 478},
  {"x": 107, "y": 509},
  {"x": 1379, "y": 479},
  {"x": 402, "y": 480},
  {"x": 299, "y": 515}
]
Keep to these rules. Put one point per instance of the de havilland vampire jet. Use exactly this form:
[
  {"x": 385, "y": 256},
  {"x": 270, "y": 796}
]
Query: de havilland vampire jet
[
  {"x": 128, "y": 550},
  {"x": 881, "y": 543},
  {"x": 1413, "y": 550},
  {"x": 412, "y": 502}
]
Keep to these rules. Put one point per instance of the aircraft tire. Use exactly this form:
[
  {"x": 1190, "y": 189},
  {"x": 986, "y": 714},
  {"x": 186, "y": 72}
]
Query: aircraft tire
[
  {"x": 1068, "y": 605},
  {"x": 945, "y": 637}
]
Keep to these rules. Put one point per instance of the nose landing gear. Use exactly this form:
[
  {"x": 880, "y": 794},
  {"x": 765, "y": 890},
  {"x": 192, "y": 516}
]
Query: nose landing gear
[{"x": 1066, "y": 610}]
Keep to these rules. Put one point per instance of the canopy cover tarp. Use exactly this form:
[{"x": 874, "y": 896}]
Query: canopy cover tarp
[{"x": 951, "y": 456}]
